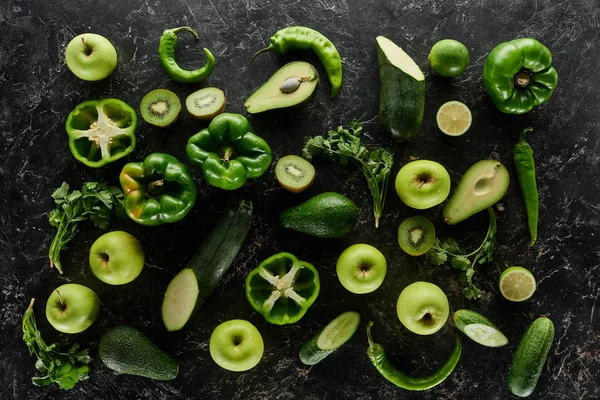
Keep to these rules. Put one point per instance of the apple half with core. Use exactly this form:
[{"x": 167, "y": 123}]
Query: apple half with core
[
  {"x": 423, "y": 308},
  {"x": 72, "y": 308},
  {"x": 91, "y": 57},
  {"x": 361, "y": 268},
  {"x": 236, "y": 345},
  {"x": 116, "y": 258},
  {"x": 422, "y": 184}
]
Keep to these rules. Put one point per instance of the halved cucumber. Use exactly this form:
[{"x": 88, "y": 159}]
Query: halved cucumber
[
  {"x": 330, "y": 338},
  {"x": 479, "y": 329}
]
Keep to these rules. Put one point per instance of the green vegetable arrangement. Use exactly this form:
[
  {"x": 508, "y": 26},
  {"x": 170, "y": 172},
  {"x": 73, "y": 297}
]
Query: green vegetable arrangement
[{"x": 343, "y": 145}]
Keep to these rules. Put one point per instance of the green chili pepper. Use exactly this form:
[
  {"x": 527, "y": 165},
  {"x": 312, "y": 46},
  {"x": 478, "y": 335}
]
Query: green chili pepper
[
  {"x": 302, "y": 38},
  {"x": 377, "y": 356},
  {"x": 525, "y": 166},
  {"x": 166, "y": 50}
]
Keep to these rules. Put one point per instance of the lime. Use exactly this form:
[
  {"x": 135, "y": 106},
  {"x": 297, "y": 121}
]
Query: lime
[
  {"x": 449, "y": 58},
  {"x": 454, "y": 118},
  {"x": 517, "y": 284},
  {"x": 485, "y": 335}
]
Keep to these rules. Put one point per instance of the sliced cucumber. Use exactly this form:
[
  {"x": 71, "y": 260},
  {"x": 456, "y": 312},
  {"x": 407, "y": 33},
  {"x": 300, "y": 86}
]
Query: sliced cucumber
[
  {"x": 479, "y": 329},
  {"x": 330, "y": 338}
]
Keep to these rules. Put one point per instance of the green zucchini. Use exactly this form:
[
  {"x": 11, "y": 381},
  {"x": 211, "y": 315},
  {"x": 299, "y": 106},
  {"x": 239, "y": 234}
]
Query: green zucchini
[
  {"x": 192, "y": 286},
  {"x": 330, "y": 338},
  {"x": 402, "y": 91},
  {"x": 479, "y": 329},
  {"x": 530, "y": 357}
]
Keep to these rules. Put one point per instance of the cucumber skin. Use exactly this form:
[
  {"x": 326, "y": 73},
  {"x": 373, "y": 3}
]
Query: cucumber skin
[
  {"x": 401, "y": 100},
  {"x": 530, "y": 357},
  {"x": 465, "y": 317},
  {"x": 310, "y": 353}
]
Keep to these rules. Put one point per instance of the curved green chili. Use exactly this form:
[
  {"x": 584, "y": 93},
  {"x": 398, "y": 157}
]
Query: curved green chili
[
  {"x": 301, "y": 38},
  {"x": 166, "y": 50},
  {"x": 377, "y": 356},
  {"x": 525, "y": 166}
]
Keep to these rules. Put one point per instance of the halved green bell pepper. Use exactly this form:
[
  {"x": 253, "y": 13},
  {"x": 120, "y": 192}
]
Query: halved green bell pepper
[
  {"x": 228, "y": 152},
  {"x": 159, "y": 190},
  {"x": 518, "y": 75},
  {"x": 282, "y": 288},
  {"x": 101, "y": 131}
]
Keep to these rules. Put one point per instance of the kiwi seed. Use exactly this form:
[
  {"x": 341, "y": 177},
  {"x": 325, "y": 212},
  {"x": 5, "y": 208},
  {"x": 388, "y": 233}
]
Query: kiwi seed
[
  {"x": 160, "y": 107},
  {"x": 206, "y": 103},
  {"x": 416, "y": 235},
  {"x": 294, "y": 173}
]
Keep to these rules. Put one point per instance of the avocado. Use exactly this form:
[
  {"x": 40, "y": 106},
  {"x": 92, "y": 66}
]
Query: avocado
[
  {"x": 291, "y": 85},
  {"x": 128, "y": 351},
  {"x": 481, "y": 187},
  {"x": 327, "y": 215}
]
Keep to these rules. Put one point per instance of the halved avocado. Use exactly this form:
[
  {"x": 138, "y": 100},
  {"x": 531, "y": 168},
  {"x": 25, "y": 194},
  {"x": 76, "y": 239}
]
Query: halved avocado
[
  {"x": 291, "y": 85},
  {"x": 481, "y": 187}
]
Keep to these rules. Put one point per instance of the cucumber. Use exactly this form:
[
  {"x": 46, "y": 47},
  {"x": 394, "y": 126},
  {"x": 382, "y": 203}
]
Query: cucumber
[
  {"x": 330, "y": 338},
  {"x": 402, "y": 91},
  {"x": 192, "y": 286},
  {"x": 479, "y": 329},
  {"x": 530, "y": 357}
]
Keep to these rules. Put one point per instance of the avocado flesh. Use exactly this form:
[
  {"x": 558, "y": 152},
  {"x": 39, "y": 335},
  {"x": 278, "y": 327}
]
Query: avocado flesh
[
  {"x": 269, "y": 96},
  {"x": 481, "y": 187}
]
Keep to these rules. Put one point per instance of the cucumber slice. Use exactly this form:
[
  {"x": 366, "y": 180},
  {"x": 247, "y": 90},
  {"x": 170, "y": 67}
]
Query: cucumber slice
[
  {"x": 180, "y": 299},
  {"x": 330, "y": 338},
  {"x": 479, "y": 329}
]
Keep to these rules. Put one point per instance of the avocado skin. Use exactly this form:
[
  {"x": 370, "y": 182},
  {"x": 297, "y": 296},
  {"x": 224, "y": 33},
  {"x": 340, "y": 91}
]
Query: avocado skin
[
  {"x": 126, "y": 350},
  {"x": 327, "y": 215}
]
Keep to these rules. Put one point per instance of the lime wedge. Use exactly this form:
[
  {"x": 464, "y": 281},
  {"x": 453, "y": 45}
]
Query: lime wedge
[
  {"x": 517, "y": 284},
  {"x": 454, "y": 118},
  {"x": 485, "y": 335}
]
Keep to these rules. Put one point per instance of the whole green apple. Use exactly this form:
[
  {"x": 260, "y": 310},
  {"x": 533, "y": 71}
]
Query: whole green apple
[
  {"x": 72, "y": 308},
  {"x": 91, "y": 57},
  {"x": 423, "y": 308},
  {"x": 422, "y": 184},
  {"x": 236, "y": 345},
  {"x": 116, "y": 258},
  {"x": 361, "y": 268}
]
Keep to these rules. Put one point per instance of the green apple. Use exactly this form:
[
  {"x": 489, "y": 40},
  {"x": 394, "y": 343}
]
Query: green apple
[
  {"x": 91, "y": 57},
  {"x": 236, "y": 345},
  {"x": 422, "y": 184},
  {"x": 361, "y": 268},
  {"x": 72, "y": 308},
  {"x": 116, "y": 258},
  {"x": 423, "y": 308}
]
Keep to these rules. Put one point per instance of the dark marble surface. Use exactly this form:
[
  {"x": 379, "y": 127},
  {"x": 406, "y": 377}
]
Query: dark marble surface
[{"x": 38, "y": 91}]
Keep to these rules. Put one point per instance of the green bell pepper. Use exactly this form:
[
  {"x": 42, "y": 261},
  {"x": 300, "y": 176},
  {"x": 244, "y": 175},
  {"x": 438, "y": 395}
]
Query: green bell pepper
[
  {"x": 228, "y": 152},
  {"x": 101, "y": 131},
  {"x": 282, "y": 288},
  {"x": 159, "y": 190},
  {"x": 518, "y": 75}
]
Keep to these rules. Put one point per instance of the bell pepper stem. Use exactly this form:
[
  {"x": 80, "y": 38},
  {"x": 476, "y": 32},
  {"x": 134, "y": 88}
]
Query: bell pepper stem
[
  {"x": 523, "y": 78},
  {"x": 156, "y": 188},
  {"x": 227, "y": 153}
]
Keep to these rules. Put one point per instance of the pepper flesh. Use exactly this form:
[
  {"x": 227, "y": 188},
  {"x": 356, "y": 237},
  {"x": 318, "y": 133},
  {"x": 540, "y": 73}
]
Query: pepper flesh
[
  {"x": 166, "y": 51},
  {"x": 518, "y": 75},
  {"x": 228, "y": 152},
  {"x": 525, "y": 166},
  {"x": 302, "y": 38},
  {"x": 101, "y": 131},
  {"x": 282, "y": 288},
  {"x": 158, "y": 190}
]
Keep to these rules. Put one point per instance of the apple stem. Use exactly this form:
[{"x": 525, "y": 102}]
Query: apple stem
[
  {"x": 62, "y": 303},
  {"x": 86, "y": 48},
  {"x": 31, "y": 303}
]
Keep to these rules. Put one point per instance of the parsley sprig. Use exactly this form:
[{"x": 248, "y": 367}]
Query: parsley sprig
[
  {"x": 448, "y": 251},
  {"x": 343, "y": 145}
]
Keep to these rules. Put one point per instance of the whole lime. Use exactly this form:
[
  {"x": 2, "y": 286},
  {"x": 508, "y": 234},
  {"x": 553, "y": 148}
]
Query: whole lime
[{"x": 449, "y": 58}]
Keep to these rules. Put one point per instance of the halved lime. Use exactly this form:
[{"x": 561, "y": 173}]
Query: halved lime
[
  {"x": 485, "y": 335},
  {"x": 454, "y": 118},
  {"x": 517, "y": 284}
]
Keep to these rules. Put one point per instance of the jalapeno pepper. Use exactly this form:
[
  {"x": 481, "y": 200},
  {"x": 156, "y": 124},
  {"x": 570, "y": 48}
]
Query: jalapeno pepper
[
  {"x": 518, "y": 75},
  {"x": 166, "y": 51},
  {"x": 301, "y": 38},
  {"x": 525, "y": 166},
  {"x": 158, "y": 190},
  {"x": 101, "y": 131},
  {"x": 282, "y": 288},
  {"x": 228, "y": 152}
]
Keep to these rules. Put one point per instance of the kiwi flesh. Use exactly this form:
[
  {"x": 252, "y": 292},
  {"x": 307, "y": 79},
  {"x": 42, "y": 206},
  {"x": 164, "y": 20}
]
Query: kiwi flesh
[
  {"x": 206, "y": 103},
  {"x": 160, "y": 107},
  {"x": 294, "y": 173},
  {"x": 416, "y": 235}
]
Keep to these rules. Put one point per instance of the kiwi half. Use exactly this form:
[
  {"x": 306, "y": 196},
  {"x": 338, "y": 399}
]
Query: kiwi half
[
  {"x": 160, "y": 107},
  {"x": 416, "y": 235},
  {"x": 294, "y": 173},
  {"x": 206, "y": 103}
]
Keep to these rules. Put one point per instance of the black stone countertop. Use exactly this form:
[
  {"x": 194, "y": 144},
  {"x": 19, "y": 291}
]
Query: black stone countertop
[{"x": 38, "y": 91}]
